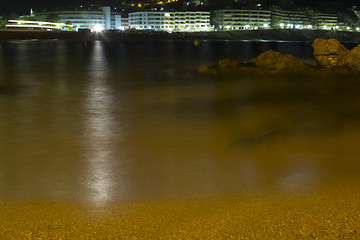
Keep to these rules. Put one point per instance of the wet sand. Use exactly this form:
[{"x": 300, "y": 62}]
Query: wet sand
[{"x": 330, "y": 214}]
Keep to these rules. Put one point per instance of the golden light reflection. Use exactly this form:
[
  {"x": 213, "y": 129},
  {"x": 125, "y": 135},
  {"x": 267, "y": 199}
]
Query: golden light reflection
[{"x": 98, "y": 133}]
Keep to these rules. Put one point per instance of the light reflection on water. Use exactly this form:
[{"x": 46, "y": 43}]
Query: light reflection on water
[
  {"x": 132, "y": 121},
  {"x": 98, "y": 128}
]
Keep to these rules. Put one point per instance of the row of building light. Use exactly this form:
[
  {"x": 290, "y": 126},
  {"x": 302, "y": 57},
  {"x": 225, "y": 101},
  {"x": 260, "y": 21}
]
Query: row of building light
[
  {"x": 222, "y": 20},
  {"x": 37, "y": 25}
]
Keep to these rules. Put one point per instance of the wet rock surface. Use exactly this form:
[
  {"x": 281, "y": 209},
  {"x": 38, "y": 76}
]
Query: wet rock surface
[
  {"x": 276, "y": 62},
  {"x": 329, "y": 54},
  {"x": 351, "y": 60},
  {"x": 228, "y": 66}
]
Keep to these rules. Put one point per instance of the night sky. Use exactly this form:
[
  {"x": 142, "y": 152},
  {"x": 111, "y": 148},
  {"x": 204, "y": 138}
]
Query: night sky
[{"x": 23, "y": 6}]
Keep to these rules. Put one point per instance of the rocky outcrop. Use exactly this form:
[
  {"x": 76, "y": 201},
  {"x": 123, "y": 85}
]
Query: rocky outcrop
[
  {"x": 208, "y": 69},
  {"x": 269, "y": 61},
  {"x": 227, "y": 66},
  {"x": 350, "y": 61},
  {"x": 331, "y": 54},
  {"x": 328, "y": 52},
  {"x": 276, "y": 62}
]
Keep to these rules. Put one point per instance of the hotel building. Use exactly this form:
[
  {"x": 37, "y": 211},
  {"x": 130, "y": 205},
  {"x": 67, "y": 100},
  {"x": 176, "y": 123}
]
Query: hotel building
[
  {"x": 324, "y": 21},
  {"x": 236, "y": 19},
  {"x": 102, "y": 19},
  {"x": 171, "y": 21},
  {"x": 230, "y": 20},
  {"x": 291, "y": 19}
]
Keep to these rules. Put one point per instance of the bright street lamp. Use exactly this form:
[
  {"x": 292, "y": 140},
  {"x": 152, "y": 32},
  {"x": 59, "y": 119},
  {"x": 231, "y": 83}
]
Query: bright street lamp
[{"x": 98, "y": 28}]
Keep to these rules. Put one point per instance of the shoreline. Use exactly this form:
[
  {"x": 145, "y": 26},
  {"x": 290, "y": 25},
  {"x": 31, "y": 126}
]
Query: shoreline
[
  {"x": 314, "y": 215},
  {"x": 244, "y": 35}
]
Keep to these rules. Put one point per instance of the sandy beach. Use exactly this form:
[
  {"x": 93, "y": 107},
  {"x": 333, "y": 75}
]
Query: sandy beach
[{"x": 324, "y": 215}]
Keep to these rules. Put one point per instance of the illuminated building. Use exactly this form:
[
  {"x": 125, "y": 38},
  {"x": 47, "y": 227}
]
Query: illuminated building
[
  {"x": 291, "y": 19},
  {"x": 229, "y": 20},
  {"x": 102, "y": 19},
  {"x": 324, "y": 21},
  {"x": 124, "y": 23},
  {"x": 235, "y": 19},
  {"x": 171, "y": 21}
]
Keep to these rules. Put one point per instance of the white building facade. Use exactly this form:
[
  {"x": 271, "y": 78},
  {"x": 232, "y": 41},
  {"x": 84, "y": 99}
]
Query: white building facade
[
  {"x": 103, "y": 19},
  {"x": 171, "y": 21},
  {"x": 324, "y": 21},
  {"x": 290, "y": 19},
  {"x": 247, "y": 19},
  {"x": 238, "y": 19}
]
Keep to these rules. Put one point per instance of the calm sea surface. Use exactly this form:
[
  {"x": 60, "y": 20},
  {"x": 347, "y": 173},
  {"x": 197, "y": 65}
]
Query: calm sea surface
[{"x": 127, "y": 121}]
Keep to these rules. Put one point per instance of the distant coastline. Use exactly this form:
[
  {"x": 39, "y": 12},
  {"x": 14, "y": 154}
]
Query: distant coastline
[{"x": 270, "y": 35}]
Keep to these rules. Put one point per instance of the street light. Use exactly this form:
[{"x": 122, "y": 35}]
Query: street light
[{"x": 98, "y": 28}]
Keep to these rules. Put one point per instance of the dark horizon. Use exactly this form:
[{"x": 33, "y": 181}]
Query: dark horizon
[{"x": 23, "y": 6}]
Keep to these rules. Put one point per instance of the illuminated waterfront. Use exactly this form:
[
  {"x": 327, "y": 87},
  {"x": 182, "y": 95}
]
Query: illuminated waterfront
[{"x": 107, "y": 124}]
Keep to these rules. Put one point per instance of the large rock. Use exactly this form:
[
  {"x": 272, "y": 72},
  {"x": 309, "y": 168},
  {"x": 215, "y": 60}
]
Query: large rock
[
  {"x": 328, "y": 52},
  {"x": 228, "y": 64},
  {"x": 350, "y": 61},
  {"x": 208, "y": 69},
  {"x": 277, "y": 62}
]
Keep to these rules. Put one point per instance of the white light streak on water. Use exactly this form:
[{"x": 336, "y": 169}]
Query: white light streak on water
[{"x": 98, "y": 130}]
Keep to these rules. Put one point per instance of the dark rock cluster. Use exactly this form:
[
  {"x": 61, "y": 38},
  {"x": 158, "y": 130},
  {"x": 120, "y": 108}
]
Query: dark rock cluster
[
  {"x": 329, "y": 54},
  {"x": 333, "y": 55},
  {"x": 228, "y": 66}
]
